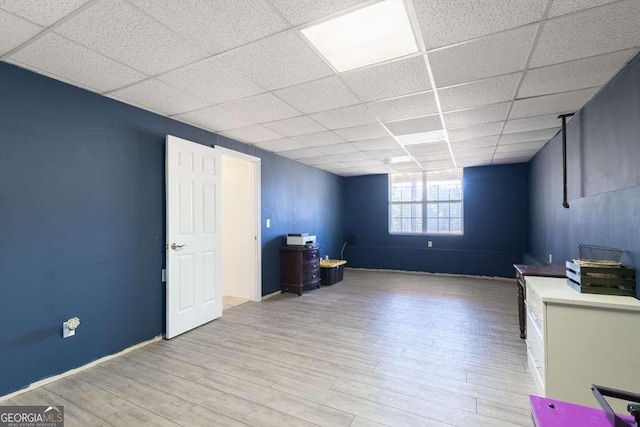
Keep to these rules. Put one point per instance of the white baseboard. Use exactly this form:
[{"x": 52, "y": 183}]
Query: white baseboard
[
  {"x": 468, "y": 276},
  {"x": 49, "y": 380}
]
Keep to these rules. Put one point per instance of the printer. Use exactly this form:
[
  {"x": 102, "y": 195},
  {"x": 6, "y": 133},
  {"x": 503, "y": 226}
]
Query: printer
[{"x": 300, "y": 239}]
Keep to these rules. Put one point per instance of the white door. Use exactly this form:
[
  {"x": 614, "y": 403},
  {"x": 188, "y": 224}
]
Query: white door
[{"x": 194, "y": 288}]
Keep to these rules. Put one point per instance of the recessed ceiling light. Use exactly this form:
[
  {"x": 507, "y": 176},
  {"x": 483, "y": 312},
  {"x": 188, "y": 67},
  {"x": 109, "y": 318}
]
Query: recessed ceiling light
[
  {"x": 422, "y": 137},
  {"x": 399, "y": 159},
  {"x": 366, "y": 36}
]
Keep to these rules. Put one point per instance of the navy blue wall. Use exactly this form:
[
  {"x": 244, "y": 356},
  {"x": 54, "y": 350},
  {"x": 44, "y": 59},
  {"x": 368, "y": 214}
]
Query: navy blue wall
[
  {"x": 603, "y": 145},
  {"x": 496, "y": 215},
  {"x": 82, "y": 222}
]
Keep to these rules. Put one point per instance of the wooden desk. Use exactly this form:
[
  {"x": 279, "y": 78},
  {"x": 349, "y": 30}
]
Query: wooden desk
[{"x": 523, "y": 270}]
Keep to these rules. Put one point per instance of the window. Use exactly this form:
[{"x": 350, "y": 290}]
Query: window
[{"x": 426, "y": 202}]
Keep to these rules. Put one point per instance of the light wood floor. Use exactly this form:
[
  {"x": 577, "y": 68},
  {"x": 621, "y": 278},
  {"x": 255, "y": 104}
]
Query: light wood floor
[
  {"x": 376, "y": 349},
  {"x": 230, "y": 302}
]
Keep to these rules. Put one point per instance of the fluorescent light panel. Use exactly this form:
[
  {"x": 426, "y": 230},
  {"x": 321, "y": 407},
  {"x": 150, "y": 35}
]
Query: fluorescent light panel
[
  {"x": 373, "y": 34},
  {"x": 422, "y": 137}
]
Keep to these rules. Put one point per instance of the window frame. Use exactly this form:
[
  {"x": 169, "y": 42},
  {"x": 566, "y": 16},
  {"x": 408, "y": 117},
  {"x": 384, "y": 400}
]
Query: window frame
[{"x": 424, "y": 203}]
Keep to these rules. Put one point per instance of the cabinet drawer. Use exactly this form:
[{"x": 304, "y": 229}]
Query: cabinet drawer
[
  {"x": 311, "y": 278},
  {"x": 311, "y": 255},
  {"x": 311, "y": 265}
]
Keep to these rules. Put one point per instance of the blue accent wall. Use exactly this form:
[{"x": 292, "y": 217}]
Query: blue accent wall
[
  {"x": 82, "y": 222},
  {"x": 603, "y": 147},
  {"x": 496, "y": 217}
]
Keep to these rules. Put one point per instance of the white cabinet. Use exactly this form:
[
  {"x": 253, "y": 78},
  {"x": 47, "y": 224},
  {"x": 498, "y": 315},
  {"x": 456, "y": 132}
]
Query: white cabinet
[{"x": 575, "y": 340}]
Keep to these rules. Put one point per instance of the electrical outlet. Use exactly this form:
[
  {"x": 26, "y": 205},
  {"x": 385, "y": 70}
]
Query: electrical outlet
[
  {"x": 164, "y": 275},
  {"x": 429, "y": 244},
  {"x": 550, "y": 258},
  {"x": 268, "y": 223}
]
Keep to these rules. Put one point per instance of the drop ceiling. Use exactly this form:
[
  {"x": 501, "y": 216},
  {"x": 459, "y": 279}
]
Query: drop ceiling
[{"x": 485, "y": 87}]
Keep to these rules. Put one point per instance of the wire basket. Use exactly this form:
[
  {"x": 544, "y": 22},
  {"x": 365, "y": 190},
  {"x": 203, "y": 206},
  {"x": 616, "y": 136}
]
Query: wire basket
[{"x": 599, "y": 255}]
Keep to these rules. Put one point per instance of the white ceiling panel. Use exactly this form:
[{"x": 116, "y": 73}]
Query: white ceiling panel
[
  {"x": 319, "y": 95},
  {"x": 467, "y": 152},
  {"x": 296, "y": 126},
  {"x": 438, "y": 147},
  {"x": 14, "y": 31},
  {"x": 315, "y": 161},
  {"x": 318, "y": 139},
  {"x": 471, "y": 161},
  {"x": 211, "y": 80},
  {"x": 61, "y": 58},
  {"x": 566, "y": 102},
  {"x": 580, "y": 74},
  {"x": 421, "y": 137},
  {"x": 386, "y": 154},
  {"x": 534, "y": 135},
  {"x": 278, "y": 61},
  {"x": 345, "y": 117},
  {"x": 490, "y": 56},
  {"x": 523, "y": 146},
  {"x": 252, "y": 134},
  {"x": 300, "y": 154},
  {"x": 588, "y": 33},
  {"x": 532, "y": 123},
  {"x": 405, "y": 167},
  {"x": 470, "y": 144},
  {"x": 337, "y": 149},
  {"x": 482, "y": 92},
  {"x": 119, "y": 31},
  {"x": 441, "y": 155},
  {"x": 476, "y": 116},
  {"x": 523, "y": 155},
  {"x": 302, "y": 11},
  {"x": 389, "y": 80},
  {"x": 437, "y": 164},
  {"x": 42, "y": 12},
  {"x": 562, "y": 7},
  {"x": 406, "y": 107},
  {"x": 214, "y": 118},
  {"x": 333, "y": 166},
  {"x": 158, "y": 96},
  {"x": 279, "y": 145},
  {"x": 350, "y": 157},
  {"x": 359, "y": 133},
  {"x": 419, "y": 124},
  {"x": 377, "y": 144},
  {"x": 487, "y": 129},
  {"x": 444, "y": 22},
  {"x": 362, "y": 163},
  {"x": 214, "y": 25}
]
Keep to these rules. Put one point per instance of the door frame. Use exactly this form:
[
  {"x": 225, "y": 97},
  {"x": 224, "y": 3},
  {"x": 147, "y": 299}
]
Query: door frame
[{"x": 257, "y": 292}]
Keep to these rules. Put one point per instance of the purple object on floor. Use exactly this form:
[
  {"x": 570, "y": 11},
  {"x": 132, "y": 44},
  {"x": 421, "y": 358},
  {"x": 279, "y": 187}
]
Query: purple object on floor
[{"x": 556, "y": 413}]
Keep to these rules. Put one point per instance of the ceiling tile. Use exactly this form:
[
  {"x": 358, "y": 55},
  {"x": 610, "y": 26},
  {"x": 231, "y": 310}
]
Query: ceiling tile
[
  {"x": 377, "y": 144},
  {"x": 331, "y": 166},
  {"x": 319, "y": 95},
  {"x": 158, "y": 96},
  {"x": 386, "y": 154},
  {"x": 475, "y": 116},
  {"x": 278, "y": 145},
  {"x": 439, "y": 155},
  {"x": 317, "y": 139},
  {"x": 580, "y": 74},
  {"x": 211, "y": 80},
  {"x": 534, "y": 135},
  {"x": 216, "y": 26},
  {"x": 562, "y": 7},
  {"x": 419, "y": 124},
  {"x": 566, "y": 102},
  {"x": 490, "y": 56},
  {"x": 482, "y": 92},
  {"x": 522, "y": 155},
  {"x": 359, "y": 133},
  {"x": 15, "y": 31},
  {"x": 300, "y": 153},
  {"x": 345, "y": 117},
  {"x": 121, "y": 32},
  {"x": 302, "y": 11},
  {"x": 314, "y": 161},
  {"x": 337, "y": 149},
  {"x": 61, "y": 58},
  {"x": 421, "y": 137},
  {"x": 362, "y": 163},
  {"x": 355, "y": 156},
  {"x": 252, "y": 134},
  {"x": 532, "y": 123},
  {"x": 522, "y": 146},
  {"x": 43, "y": 12},
  {"x": 437, "y": 164},
  {"x": 487, "y": 129},
  {"x": 588, "y": 33},
  {"x": 296, "y": 126},
  {"x": 405, "y": 107},
  {"x": 469, "y": 144},
  {"x": 444, "y": 22},
  {"x": 466, "y": 152},
  {"x": 405, "y": 167},
  {"x": 278, "y": 61},
  {"x": 248, "y": 111},
  {"x": 478, "y": 160},
  {"x": 389, "y": 80},
  {"x": 438, "y": 147}
]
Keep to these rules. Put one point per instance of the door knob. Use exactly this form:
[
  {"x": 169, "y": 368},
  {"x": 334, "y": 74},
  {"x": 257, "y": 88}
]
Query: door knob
[{"x": 175, "y": 247}]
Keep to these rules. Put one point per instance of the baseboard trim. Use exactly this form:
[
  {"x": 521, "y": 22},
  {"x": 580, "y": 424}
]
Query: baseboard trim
[
  {"x": 468, "y": 276},
  {"x": 271, "y": 295},
  {"x": 73, "y": 371}
]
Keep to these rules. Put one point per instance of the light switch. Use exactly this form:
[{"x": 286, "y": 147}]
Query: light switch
[{"x": 268, "y": 223}]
